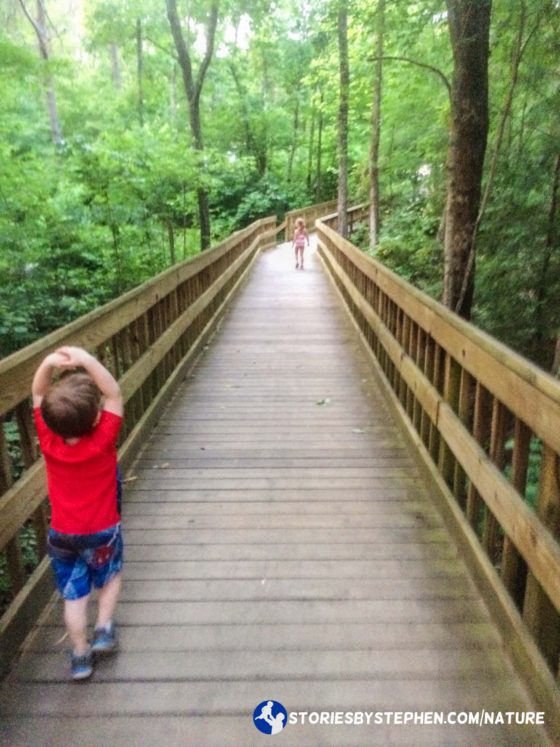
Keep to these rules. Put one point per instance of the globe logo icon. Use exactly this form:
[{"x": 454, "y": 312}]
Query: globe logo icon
[{"x": 270, "y": 717}]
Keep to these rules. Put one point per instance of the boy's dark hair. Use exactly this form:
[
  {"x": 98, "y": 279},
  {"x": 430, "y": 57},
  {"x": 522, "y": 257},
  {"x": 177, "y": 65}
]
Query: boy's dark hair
[{"x": 71, "y": 405}]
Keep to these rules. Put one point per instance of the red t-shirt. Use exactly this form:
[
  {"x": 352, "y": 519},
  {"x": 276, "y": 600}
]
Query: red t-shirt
[{"x": 82, "y": 477}]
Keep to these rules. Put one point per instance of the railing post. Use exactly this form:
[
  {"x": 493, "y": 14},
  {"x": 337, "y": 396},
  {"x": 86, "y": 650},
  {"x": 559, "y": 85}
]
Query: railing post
[
  {"x": 14, "y": 558},
  {"x": 497, "y": 455},
  {"x": 539, "y": 613},
  {"x": 481, "y": 432},
  {"x": 451, "y": 392},
  {"x": 513, "y": 567}
]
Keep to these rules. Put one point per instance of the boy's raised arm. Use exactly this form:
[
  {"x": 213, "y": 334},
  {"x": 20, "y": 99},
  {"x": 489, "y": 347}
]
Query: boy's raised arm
[
  {"x": 43, "y": 375},
  {"x": 102, "y": 377}
]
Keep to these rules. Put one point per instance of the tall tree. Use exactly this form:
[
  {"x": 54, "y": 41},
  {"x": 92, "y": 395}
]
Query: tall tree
[
  {"x": 376, "y": 129},
  {"x": 469, "y": 27},
  {"x": 344, "y": 73},
  {"x": 193, "y": 90},
  {"x": 40, "y": 27},
  {"x": 520, "y": 44},
  {"x": 543, "y": 334},
  {"x": 140, "y": 70}
]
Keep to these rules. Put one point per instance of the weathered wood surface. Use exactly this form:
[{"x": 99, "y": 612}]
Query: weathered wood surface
[{"x": 279, "y": 545}]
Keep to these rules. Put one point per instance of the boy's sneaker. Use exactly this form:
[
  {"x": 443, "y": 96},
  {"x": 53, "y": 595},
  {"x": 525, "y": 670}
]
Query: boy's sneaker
[
  {"x": 104, "y": 640},
  {"x": 82, "y": 666}
]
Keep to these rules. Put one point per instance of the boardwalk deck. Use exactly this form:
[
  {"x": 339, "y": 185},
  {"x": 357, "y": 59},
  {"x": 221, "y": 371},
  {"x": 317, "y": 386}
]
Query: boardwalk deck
[{"x": 279, "y": 545}]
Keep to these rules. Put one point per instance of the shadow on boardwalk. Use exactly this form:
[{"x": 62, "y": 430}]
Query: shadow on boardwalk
[{"x": 279, "y": 545}]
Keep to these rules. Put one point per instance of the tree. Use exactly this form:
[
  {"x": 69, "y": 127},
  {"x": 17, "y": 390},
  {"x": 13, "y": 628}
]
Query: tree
[
  {"x": 374, "y": 198},
  {"x": 469, "y": 27},
  {"x": 344, "y": 74},
  {"x": 193, "y": 90},
  {"x": 40, "y": 27}
]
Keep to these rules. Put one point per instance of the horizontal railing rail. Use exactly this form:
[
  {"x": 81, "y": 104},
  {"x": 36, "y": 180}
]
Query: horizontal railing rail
[
  {"x": 309, "y": 215},
  {"x": 325, "y": 211},
  {"x": 146, "y": 338},
  {"x": 486, "y": 420}
]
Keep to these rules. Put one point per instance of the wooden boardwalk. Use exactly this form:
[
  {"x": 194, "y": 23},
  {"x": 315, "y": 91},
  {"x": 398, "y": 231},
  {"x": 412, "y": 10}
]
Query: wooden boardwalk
[{"x": 279, "y": 546}]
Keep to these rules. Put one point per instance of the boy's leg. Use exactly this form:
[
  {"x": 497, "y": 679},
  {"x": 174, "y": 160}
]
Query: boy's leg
[
  {"x": 75, "y": 617},
  {"x": 108, "y": 597}
]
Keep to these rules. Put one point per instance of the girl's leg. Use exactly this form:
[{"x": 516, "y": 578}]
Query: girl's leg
[
  {"x": 297, "y": 259},
  {"x": 75, "y": 617},
  {"x": 108, "y": 597}
]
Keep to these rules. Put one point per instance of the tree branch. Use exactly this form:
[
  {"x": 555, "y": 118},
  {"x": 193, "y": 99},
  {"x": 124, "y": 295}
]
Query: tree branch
[
  {"x": 182, "y": 51},
  {"x": 425, "y": 65},
  {"x": 167, "y": 51},
  {"x": 210, "y": 37},
  {"x": 38, "y": 30}
]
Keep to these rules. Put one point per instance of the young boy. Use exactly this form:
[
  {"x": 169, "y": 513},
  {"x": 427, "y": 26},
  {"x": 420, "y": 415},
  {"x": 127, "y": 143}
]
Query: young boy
[{"x": 78, "y": 418}]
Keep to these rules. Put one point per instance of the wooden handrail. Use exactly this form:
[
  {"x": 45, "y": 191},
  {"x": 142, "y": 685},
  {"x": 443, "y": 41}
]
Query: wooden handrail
[
  {"x": 146, "y": 338},
  {"x": 481, "y": 415}
]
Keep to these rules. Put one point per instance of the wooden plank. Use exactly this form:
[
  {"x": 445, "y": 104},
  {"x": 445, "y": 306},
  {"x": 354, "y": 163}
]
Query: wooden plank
[
  {"x": 210, "y": 510},
  {"x": 239, "y": 666},
  {"x": 181, "y": 590},
  {"x": 318, "y": 551},
  {"x": 291, "y": 569},
  {"x": 288, "y": 537},
  {"x": 401, "y": 636},
  {"x": 269, "y": 520},
  {"x": 105, "y": 700}
]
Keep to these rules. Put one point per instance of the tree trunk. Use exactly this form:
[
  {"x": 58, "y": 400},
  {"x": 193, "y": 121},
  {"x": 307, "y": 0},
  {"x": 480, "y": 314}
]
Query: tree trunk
[
  {"x": 173, "y": 94},
  {"x": 376, "y": 131},
  {"x": 40, "y": 28},
  {"x": 469, "y": 26},
  {"x": 171, "y": 238},
  {"x": 140, "y": 71},
  {"x": 294, "y": 139},
  {"x": 517, "y": 54},
  {"x": 343, "y": 118},
  {"x": 310, "y": 151},
  {"x": 252, "y": 145},
  {"x": 193, "y": 90},
  {"x": 115, "y": 65},
  {"x": 556, "y": 362},
  {"x": 543, "y": 341},
  {"x": 319, "y": 149}
]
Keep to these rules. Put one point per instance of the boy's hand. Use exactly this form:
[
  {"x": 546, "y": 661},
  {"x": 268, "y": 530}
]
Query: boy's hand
[
  {"x": 43, "y": 375},
  {"x": 58, "y": 359},
  {"x": 74, "y": 357},
  {"x": 78, "y": 357}
]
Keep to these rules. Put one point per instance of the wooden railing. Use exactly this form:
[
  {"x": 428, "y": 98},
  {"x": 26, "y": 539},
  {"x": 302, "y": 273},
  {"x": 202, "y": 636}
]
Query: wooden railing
[
  {"x": 487, "y": 424},
  {"x": 147, "y": 338},
  {"x": 324, "y": 211}
]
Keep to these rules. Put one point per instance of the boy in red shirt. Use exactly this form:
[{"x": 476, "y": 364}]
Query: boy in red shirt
[{"x": 78, "y": 418}]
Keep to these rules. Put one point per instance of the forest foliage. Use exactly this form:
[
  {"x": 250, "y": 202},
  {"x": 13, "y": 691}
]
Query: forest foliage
[{"x": 112, "y": 199}]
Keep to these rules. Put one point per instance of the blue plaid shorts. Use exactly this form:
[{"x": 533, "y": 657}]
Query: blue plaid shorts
[{"x": 80, "y": 561}]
